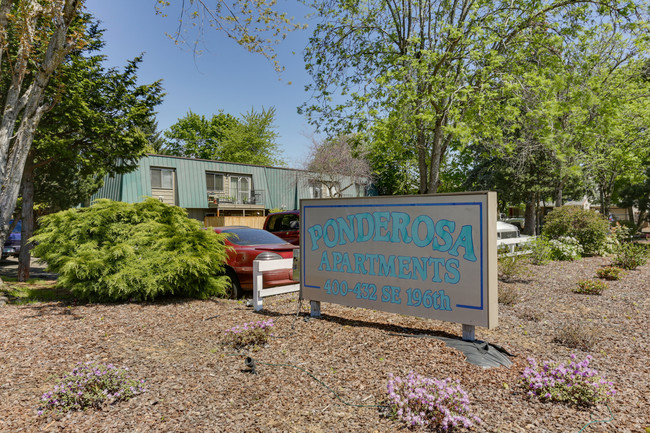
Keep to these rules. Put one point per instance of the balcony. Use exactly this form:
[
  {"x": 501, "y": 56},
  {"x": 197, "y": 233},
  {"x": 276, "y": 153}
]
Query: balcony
[{"x": 218, "y": 200}]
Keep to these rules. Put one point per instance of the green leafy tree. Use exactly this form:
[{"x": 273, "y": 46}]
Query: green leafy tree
[
  {"x": 118, "y": 251},
  {"x": 96, "y": 129},
  {"x": 197, "y": 137},
  {"x": 223, "y": 137},
  {"x": 258, "y": 26},
  {"x": 253, "y": 139},
  {"x": 438, "y": 66},
  {"x": 35, "y": 37}
]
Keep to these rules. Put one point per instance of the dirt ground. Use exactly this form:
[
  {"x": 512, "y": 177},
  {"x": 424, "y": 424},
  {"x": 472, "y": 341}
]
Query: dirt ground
[{"x": 196, "y": 384}]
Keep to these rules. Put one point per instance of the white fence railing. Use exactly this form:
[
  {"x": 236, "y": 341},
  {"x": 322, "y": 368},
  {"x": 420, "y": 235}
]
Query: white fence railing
[
  {"x": 513, "y": 243},
  {"x": 259, "y": 292}
]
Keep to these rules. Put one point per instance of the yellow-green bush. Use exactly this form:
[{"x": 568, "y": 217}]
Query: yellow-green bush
[{"x": 119, "y": 251}]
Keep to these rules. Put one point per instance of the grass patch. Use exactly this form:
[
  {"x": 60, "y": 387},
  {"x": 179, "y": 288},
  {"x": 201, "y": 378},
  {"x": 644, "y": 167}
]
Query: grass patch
[
  {"x": 508, "y": 295},
  {"x": 576, "y": 336},
  {"x": 34, "y": 291}
]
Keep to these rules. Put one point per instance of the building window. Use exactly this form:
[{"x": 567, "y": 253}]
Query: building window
[
  {"x": 162, "y": 178},
  {"x": 240, "y": 189},
  {"x": 316, "y": 192},
  {"x": 214, "y": 182}
]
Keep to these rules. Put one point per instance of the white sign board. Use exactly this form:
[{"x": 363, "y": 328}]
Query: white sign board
[{"x": 431, "y": 256}]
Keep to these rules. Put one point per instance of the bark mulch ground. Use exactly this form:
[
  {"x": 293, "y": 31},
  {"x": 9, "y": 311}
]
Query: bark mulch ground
[{"x": 195, "y": 384}]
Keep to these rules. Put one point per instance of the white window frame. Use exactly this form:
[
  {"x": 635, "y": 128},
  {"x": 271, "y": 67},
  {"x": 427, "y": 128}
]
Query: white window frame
[{"x": 236, "y": 191}]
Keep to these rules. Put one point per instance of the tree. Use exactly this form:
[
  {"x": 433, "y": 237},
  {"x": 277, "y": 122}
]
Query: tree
[
  {"x": 36, "y": 37},
  {"x": 255, "y": 25},
  {"x": 339, "y": 164},
  {"x": 436, "y": 64},
  {"x": 97, "y": 129},
  {"x": 195, "y": 136},
  {"x": 637, "y": 195},
  {"x": 223, "y": 137}
]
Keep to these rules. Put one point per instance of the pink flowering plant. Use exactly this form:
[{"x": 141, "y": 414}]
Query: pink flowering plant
[
  {"x": 574, "y": 383},
  {"x": 89, "y": 385},
  {"x": 427, "y": 402},
  {"x": 249, "y": 334}
]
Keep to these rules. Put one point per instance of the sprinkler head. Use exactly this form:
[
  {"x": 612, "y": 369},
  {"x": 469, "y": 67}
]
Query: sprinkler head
[{"x": 250, "y": 363}]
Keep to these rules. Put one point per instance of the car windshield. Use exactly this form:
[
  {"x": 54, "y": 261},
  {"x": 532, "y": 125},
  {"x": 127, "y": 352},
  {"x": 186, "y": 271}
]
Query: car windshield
[{"x": 252, "y": 237}]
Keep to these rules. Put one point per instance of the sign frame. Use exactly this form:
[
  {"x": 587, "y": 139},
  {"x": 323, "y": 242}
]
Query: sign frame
[{"x": 454, "y": 240}]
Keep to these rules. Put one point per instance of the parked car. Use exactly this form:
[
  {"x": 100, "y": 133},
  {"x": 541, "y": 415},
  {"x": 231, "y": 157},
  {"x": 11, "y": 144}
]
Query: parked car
[
  {"x": 12, "y": 244},
  {"x": 249, "y": 244},
  {"x": 285, "y": 225},
  {"x": 506, "y": 230}
]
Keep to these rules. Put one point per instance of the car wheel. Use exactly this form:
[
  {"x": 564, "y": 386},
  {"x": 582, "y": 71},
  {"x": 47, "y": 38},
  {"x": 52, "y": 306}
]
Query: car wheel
[{"x": 234, "y": 290}]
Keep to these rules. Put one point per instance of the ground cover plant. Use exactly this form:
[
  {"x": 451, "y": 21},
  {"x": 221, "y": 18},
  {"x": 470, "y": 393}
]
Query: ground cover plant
[
  {"x": 422, "y": 401},
  {"x": 249, "y": 334},
  {"x": 573, "y": 382},
  {"x": 119, "y": 251},
  {"x": 90, "y": 385}
]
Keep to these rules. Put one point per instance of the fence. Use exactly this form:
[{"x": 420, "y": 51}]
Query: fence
[
  {"x": 512, "y": 243},
  {"x": 220, "y": 221},
  {"x": 259, "y": 292}
]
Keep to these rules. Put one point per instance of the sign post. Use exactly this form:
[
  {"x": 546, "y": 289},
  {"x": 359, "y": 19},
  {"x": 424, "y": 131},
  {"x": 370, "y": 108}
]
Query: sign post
[{"x": 431, "y": 256}]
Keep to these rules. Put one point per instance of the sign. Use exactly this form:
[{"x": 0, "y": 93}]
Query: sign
[{"x": 431, "y": 256}]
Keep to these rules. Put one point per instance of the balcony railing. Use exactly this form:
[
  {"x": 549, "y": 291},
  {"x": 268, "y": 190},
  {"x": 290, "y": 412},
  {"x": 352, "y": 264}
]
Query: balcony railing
[{"x": 219, "y": 199}]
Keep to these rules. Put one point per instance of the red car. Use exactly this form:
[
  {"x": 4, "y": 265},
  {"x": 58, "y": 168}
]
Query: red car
[
  {"x": 285, "y": 225},
  {"x": 249, "y": 244}
]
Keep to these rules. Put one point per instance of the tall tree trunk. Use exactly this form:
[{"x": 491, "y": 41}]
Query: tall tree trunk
[
  {"x": 422, "y": 159},
  {"x": 23, "y": 107},
  {"x": 436, "y": 157},
  {"x": 24, "y": 259},
  {"x": 630, "y": 214},
  {"x": 530, "y": 216},
  {"x": 559, "y": 199}
]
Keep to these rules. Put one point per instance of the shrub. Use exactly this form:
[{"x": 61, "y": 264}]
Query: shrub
[
  {"x": 590, "y": 287},
  {"x": 630, "y": 255},
  {"x": 422, "y": 401},
  {"x": 508, "y": 295},
  {"x": 610, "y": 273},
  {"x": 574, "y": 383},
  {"x": 576, "y": 336},
  {"x": 118, "y": 251},
  {"x": 89, "y": 385},
  {"x": 565, "y": 248},
  {"x": 588, "y": 227},
  {"x": 510, "y": 266},
  {"x": 622, "y": 232},
  {"x": 540, "y": 251},
  {"x": 249, "y": 334}
]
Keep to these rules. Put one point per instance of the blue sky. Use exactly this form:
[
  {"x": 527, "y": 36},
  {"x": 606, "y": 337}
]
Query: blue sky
[{"x": 225, "y": 76}]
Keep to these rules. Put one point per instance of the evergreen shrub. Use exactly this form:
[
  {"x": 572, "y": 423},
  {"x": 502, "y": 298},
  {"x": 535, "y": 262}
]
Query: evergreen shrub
[
  {"x": 115, "y": 251},
  {"x": 588, "y": 227}
]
